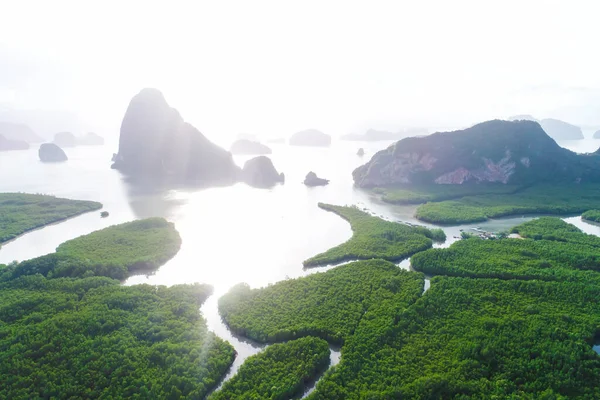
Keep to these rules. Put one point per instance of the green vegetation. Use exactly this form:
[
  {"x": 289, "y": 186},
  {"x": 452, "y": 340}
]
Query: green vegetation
[
  {"x": 20, "y": 212},
  {"x": 92, "y": 338},
  {"x": 552, "y": 228},
  {"x": 554, "y": 250},
  {"x": 458, "y": 204},
  {"x": 280, "y": 372},
  {"x": 477, "y": 338},
  {"x": 117, "y": 252},
  {"x": 591, "y": 215},
  {"x": 329, "y": 305},
  {"x": 514, "y": 318},
  {"x": 557, "y": 199},
  {"x": 65, "y": 333},
  {"x": 529, "y": 335},
  {"x": 418, "y": 194},
  {"x": 465, "y": 338},
  {"x": 375, "y": 238}
]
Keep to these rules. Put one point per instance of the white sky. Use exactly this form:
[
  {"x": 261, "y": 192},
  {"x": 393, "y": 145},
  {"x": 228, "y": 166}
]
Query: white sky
[{"x": 274, "y": 67}]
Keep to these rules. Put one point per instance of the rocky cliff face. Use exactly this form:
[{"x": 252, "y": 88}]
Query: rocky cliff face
[
  {"x": 489, "y": 172},
  {"x": 493, "y": 151},
  {"x": 155, "y": 141}
]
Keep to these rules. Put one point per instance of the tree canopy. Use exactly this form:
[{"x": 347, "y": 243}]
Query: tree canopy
[
  {"x": 374, "y": 237},
  {"x": 21, "y": 212}
]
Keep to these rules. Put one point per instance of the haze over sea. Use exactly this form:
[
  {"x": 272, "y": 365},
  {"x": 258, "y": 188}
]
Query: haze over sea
[{"x": 230, "y": 234}]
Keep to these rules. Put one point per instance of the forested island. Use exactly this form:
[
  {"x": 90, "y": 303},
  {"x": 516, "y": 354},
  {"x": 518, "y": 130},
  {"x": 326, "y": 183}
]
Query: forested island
[
  {"x": 21, "y": 212},
  {"x": 116, "y": 252},
  {"x": 459, "y": 204},
  {"x": 68, "y": 329},
  {"x": 375, "y": 238},
  {"x": 494, "y": 329},
  {"x": 490, "y": 170},
  {"x": 553, "y": 251},
  {"x": 279, "y": 373},
  {"x": 591, "y": 215}
]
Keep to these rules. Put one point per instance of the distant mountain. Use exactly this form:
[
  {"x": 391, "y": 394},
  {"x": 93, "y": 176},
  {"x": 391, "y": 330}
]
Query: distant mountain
[
  {"x": 310, "y": 137},
  {"x": 156, "y": 142},
  {"x": 65, "y": 139},
  {"x": 249, "y": 147},
  {"x": 560, "y": 130},
  {"x": 516, "y": 152},
  {"x": 555, "y": 128},
  {"x": 8, "y": 144},
  {"x": 276, "y": 140},
  {"x": 44, "y": 123},
  {"x": 90, "y": 139},
  {"x": 373, "y": 135},
  {"x": 12, "y": 131},
  {"x": 247, "y": 136},
  {"x": 523, "y": 117}
]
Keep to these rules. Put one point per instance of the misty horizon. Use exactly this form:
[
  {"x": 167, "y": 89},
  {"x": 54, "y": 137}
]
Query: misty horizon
[{"x": 271, "y": 70}]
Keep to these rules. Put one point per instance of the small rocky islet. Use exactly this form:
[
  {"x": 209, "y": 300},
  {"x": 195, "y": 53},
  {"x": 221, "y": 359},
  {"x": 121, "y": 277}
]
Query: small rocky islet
[
  {"x": 310, "y": 138},
  {"x": 260, "y": 172},
  {"x": 312, "y": 179},
  {"x": 51, "y": 153}
]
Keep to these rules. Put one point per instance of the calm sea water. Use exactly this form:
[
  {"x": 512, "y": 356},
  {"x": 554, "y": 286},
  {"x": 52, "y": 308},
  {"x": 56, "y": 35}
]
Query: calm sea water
[{"x": 230, "y": 234}]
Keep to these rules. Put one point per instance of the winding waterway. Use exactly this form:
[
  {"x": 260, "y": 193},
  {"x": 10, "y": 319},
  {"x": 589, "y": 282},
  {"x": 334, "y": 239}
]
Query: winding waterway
[{"x": 229, "y": 235}]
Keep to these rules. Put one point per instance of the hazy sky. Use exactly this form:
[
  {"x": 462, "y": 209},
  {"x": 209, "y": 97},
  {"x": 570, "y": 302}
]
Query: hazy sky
[{"x": 274, "y": 67}]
